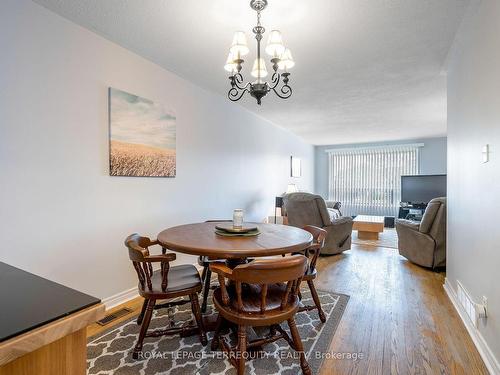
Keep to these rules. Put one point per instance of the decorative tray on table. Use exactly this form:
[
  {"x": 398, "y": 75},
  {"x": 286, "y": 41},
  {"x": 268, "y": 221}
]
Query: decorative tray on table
[{"x": 228, "y": 230}]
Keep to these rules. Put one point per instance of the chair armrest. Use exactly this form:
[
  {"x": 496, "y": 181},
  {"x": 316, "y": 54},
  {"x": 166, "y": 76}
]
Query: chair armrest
[
  {"x": 332, "y": 204},
  {"x": 170, "y": 257},
  {"x": 221, "y": 269},
  {"x": 342, "y": 220},
  {"x": 408, "y": 224}
]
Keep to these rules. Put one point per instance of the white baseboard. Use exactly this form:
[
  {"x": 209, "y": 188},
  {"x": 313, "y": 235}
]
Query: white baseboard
[
  {"x": 120, "y": 298},
  {"x": 482, "y": 347},
  {"x": 129, "y": 294}
]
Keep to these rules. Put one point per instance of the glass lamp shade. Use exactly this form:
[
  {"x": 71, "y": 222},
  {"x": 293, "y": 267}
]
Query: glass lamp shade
[
  {"x": 230, "y": 65},
  {"x": 255, "y": 70},
  {"x": 275, "y": 45},
  {"x": 239, "y": 46},
  {"x": 286, "y": 60}
]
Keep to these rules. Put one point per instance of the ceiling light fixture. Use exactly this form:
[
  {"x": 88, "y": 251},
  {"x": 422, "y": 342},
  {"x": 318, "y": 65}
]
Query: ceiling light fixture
[{"x": 281, "y": 58}]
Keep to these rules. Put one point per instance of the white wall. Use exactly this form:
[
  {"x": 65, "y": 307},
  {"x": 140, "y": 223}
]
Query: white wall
[
  {"x": 474, "y": 188},
  {"x": 432, "y": 159},
  {"x": 61, "y": 215}
]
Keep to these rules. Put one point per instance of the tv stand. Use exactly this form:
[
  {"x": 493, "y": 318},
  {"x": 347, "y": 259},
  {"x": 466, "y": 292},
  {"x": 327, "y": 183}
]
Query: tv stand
[
  {"x": 418, "y": 206},
  {"x": 412, "y": 211}
]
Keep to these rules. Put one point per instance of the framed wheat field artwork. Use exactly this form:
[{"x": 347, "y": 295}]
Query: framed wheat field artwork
[{"x": 142, "y": 136}]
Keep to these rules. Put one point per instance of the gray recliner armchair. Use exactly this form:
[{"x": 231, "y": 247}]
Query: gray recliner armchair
[
  {"x": 304, "y": 209},
  {"x": 424, "y": 243}
]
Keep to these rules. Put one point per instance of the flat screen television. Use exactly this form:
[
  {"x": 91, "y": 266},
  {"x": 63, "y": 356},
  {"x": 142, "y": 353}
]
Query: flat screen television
[{"x": 422, "y": 188}]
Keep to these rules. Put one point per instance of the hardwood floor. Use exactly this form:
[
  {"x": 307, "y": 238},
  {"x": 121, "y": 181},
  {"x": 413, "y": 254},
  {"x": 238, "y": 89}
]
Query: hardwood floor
[{"x": 398, "y": 318}]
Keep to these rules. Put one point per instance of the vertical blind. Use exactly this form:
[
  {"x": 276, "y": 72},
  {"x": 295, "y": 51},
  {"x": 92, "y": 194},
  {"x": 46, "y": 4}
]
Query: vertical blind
[{"x": 368, "y": 180}]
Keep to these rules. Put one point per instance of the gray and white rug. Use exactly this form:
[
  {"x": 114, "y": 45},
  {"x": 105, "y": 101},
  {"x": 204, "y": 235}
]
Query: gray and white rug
[{"x": 111, "y": 351}]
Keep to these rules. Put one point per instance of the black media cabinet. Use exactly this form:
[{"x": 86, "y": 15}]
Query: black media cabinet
[{"x": 412, "y": 212}]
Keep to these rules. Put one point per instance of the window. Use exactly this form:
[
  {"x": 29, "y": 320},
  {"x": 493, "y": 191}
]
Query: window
[{"x": 368, "y": 180}]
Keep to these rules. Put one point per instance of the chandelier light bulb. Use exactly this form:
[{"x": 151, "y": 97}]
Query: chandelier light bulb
[
  {"x": 286, "y": 60},
  {"x": 275, "y": 45},
  {"x": 230, "y": 65},
  {"x": 239, "y": 46},
  {"x": 259, "y": 71}
]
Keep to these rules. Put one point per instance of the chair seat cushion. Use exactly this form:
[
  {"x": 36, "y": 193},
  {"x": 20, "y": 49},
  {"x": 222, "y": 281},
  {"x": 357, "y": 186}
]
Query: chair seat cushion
[
  {"x": 251, "y": 296},
  {"x": 181, "y": 277}
]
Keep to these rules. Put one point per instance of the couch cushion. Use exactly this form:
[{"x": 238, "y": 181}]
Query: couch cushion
[
  {"x": 301, "y": 213},
  {"x": 334, "y": 214}
]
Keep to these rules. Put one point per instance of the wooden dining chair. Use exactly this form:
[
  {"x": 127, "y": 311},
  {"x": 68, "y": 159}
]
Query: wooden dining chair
[
  {"x": 206, "y": 275},
  {"x": 163, "y": 284},
  {"x": 260, "y": 293},
  {"x": 312, "y": 253}
]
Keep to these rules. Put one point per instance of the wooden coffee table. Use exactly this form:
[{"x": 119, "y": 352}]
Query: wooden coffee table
[{"x": 368, "y": 227}]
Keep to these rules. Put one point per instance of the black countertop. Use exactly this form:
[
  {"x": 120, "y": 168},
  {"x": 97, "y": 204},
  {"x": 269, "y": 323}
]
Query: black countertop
[{"x": 30, "y": 301}]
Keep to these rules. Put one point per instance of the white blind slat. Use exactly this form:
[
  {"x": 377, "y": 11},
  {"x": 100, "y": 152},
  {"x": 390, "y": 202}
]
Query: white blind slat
[{"x": 368, "y": 181}]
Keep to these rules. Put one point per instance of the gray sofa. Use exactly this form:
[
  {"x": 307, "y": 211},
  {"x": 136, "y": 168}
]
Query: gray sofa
[
  {"x": 424, "y": 243},
  {"x": 304, "y": 209}
]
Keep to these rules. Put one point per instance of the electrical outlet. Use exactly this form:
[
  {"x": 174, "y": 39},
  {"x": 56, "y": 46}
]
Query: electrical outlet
[{"x": 486, "y": 153}]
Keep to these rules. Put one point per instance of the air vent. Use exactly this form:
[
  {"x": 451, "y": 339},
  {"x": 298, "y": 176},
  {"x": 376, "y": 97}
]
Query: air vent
[
  {"x": 113, "y": 316},
  {"x": 474, "y": 311},
  {"x": 466, "y": 302}
]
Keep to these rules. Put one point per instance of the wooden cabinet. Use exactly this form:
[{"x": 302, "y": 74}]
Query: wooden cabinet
[{"x": 43, "y": 325}]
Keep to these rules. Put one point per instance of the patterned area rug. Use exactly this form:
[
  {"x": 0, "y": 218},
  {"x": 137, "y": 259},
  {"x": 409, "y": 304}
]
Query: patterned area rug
[
  {"x": 388, "y": 238},
  {"x": 111, "y": 351}
]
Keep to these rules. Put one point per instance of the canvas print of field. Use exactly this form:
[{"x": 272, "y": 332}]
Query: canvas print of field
[{"x": 142, "y": 136}]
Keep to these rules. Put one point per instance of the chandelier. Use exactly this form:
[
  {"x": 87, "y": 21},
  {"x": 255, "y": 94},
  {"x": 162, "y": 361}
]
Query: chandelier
[{"x": 281, "y": 58}]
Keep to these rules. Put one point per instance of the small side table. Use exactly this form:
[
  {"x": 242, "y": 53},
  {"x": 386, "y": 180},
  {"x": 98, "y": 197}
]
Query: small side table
[{"x": 368, "y": 226}]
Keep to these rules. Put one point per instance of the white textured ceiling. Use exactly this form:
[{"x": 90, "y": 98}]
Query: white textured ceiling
[{"x": 366, "y": 70}]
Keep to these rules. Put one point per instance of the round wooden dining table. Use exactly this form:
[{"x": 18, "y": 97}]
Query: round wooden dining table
[{"x": 200, "y": 239}]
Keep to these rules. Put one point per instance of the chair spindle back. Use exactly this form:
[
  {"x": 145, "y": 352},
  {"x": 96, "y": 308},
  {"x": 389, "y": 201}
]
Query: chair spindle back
[
  {"x": 138, "y": 251},
  {"x": 264, "y": 272}
]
